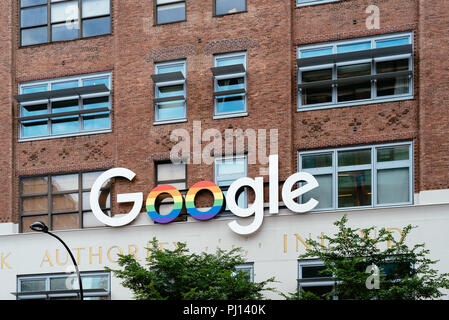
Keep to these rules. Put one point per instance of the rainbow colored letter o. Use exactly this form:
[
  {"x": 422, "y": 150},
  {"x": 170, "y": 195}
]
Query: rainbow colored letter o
[
  {"x": 151, "y": 201},
  {"x": 190, "y": 200}
]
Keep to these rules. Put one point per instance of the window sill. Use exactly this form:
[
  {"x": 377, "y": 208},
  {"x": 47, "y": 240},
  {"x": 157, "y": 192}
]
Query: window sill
[
  {"x": 231, "y": 115},
  {"x": 299, "y": 5},
  {"x": 355, "y": 103},
  {"x": 158, "y": 123},
  {"x": 228, "y": 14},
  {"x": 65, "y": 135},
  {"x": 64, "y": 41}
]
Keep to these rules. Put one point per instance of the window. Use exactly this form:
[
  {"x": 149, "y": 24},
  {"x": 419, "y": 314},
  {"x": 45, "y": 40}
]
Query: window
[
  {"x": 170, "y": 92},
  {"x": 223, "y": 7},
  {"x": 170, "y": 11},
  {"x": 230, "y": 85},
  {"x": 229, "y": 169},
  {"x": 360, "y": 177},
  {"x": 312, "y": 278},
  {"x": 96, "y": 286},
  {"x": 65, "y": 107},
  {"x": 44, "y": 21},
  {"x": 176, "y": 176},
  {"x": 355, "y": 72},
  {"x": 60, "y": 201},
  {"x": 311, "y": 2},
  {"x": 247, "y": 268}
]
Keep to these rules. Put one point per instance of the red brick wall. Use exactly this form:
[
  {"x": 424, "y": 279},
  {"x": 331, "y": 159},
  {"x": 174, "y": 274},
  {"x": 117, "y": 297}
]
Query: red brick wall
[{"x": 269, "y": 31}]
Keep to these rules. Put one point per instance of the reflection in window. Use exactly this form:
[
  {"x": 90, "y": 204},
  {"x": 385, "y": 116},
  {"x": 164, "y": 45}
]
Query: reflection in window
[
  {"x": 362, "y": 177},
  {"x": 61, "y": 201},
  {"x": 229, "y": 6},
  {"x": 170, "y": 11}
]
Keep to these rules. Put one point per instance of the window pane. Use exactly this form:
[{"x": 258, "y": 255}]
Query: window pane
[
  {"x": 170, "y": 68},
  {"x": 95, "y": 282},
  {"x": 170, "y": 110},
  {"x": 96, "y": 121},
  {"x": 34, "y": 89},
  {"x": 64, "y": 85},
  {"x": 394, "y": 85},
  {"x": 65, "y": 31},
  {"x": 33, "y": 16},
  {"x": 171, "y": 91},
  {"x": 32, "y": 285},
  {"x": 34, "y": 128},
  {"x": 170, "y": 171},
  {"x": 231, "y": 103},
  {"x": 90, "y": 177},
  {"x": 171, "y": 13},
  {"x": 393, "y": 186},
  {"x": 104, "y": 200},
  {"x": 230, "y": 61},
  {"x": 65, "y": 221},
  {"x": 393, "y": 154},
  {"x": 354, "y": 91},
  {"x": 316, "y": 52},
  {"x": 34, "y": 185},
  {"x": 353, "y": 158},
  {"x": 313, "y": 272},
  {"x": 63, "y": 283},
  {"x": 64, "y": 183},
  {"x": 96, "y": 81},
  {"x": 34, "y": 205},
  {"x": 94, "y": 27},
  {"x": 27, "y": 3},
  {"x": 229, "y": 6},
  {"x": 65, "y": 202},
  {"x": 34, "y": 36},
  {"x": 65, "y": 125},
  {"x": 90, "y": 221},
  {"x": 318, "y": 290},
  {"x": 92, "y": 8},
  {"x": 354, "y": 189},
  {"x": 94, "y": 103},
  {"x": 64, "y": 106},
  {"x": 230, "y": 169},
  {"x": 28, "y": 221},
  {"x": 354, "y": 47},
  {"x": 34, "y": 110},
  {"x": 231, "y": 84},
  {"x": 321, "y": 94},
  {"x": 392, "y": 43},
  {"x": 64, "y": 11},
  {"x": 323, "y": 193},
  {"x": 317, "y": 161}
]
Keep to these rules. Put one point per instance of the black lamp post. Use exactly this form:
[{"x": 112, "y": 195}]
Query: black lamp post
[{"x": 41, "y": 227}]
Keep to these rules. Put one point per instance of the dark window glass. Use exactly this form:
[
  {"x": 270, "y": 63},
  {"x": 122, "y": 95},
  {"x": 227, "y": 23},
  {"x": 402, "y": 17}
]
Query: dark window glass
[
  {"x": 97, "y": 26},
  {"x": 354, "y": 91},
  {"x": 393, "y": 154},
  {"x": 229, "y": 6},
  {"x": 317, "y": 161},
  {"x": 320, "y": 291},
  {"x": 319, "y": 94},
  {"x": 314, "y": 272},
  {"x": 64, "y": 106},
  {"x": 353, "y": 158},
  {"x": 354, "y": 188},
  {"x": 393, "y": 85}
]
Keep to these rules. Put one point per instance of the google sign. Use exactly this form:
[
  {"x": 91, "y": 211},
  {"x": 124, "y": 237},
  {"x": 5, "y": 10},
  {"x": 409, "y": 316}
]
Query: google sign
[{"x": 257, "y": 208}]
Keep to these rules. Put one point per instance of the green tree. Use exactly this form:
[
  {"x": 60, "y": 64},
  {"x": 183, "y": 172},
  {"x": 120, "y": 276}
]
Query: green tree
[
  {"x": 180, "y": 275},
  {"x": 405, "y": 273}
]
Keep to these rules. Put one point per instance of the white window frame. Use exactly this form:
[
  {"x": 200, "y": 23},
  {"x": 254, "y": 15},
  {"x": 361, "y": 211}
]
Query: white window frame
[
  {"x": 312, "y": 282},
  {"x": 373, "y": 167},
  {"x": 49, "y": 83},
  {"x": 243, "y": 113},
  {"x": 170, "y": 83},
  {"x": 55, "y": 293},
  {"x": 374, "y": 98},
  {"x": 302, "y": 3},
  {"x": 226, "y": 158},
  {"x": 245, "y": 266}
]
